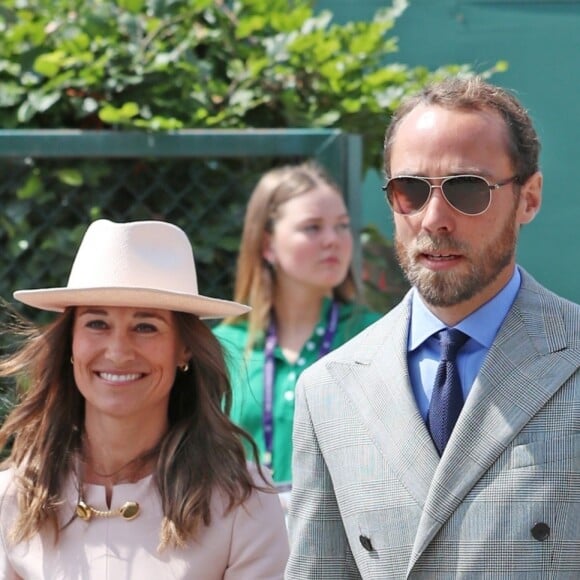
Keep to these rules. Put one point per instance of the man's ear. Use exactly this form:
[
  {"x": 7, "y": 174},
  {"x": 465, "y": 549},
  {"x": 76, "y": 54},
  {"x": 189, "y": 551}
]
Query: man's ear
[{"x": 530, "y": 198}]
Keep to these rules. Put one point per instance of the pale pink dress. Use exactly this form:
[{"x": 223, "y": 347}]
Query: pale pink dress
[{"x": 250, "y": 543}]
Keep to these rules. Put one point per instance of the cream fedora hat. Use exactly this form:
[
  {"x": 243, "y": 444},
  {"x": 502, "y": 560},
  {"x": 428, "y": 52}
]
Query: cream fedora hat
[{"x": 146, "y": 264}]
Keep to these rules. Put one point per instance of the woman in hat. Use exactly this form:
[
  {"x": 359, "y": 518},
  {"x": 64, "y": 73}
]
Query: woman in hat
[
  {"x": 294, "y": 269},
  {"x": 123, "y": 461}
]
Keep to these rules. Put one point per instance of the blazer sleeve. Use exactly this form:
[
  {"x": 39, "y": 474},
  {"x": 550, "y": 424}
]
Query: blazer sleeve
[
  {"x": 319, "y": 548},
  {"x": 259, "y": 543}
]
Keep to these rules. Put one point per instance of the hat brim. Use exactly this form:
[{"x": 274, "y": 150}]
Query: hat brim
[{"x": 57, "y": 299}]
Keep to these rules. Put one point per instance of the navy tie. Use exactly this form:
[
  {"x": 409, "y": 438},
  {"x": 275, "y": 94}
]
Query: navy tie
[{"x": 447, "y": 396}]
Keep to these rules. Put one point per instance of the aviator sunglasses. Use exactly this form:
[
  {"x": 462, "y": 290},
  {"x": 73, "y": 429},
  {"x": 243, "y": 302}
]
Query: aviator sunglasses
[{"x": 468, "y": 194}]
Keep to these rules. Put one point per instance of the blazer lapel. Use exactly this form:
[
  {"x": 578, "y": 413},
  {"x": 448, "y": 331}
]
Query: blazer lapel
[
  {"x": 376, "y": 380},
  {"x": 523, "y": 370}
]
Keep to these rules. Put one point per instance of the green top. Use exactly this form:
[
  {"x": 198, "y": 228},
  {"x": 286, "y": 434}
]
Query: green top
[{"x": 247, "y": 376}]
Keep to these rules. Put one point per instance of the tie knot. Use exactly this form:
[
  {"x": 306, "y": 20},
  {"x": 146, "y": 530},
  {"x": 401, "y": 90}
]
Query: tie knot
[{"x": 451, "y": 341}]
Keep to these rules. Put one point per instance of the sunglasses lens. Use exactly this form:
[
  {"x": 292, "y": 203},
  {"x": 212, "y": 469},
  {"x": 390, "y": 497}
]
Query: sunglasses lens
[
  {"x": 469, "y": 194},
  {"x": 407, "y": 195}
]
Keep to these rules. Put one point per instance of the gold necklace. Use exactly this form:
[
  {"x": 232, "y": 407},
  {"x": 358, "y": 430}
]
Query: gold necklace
[
  {"x": 128, "y": 511},
  {"x": 137, "y": 462}
]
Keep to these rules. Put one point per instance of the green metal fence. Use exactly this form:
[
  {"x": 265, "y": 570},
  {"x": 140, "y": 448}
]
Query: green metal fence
[{"x": 56, "y": 182}]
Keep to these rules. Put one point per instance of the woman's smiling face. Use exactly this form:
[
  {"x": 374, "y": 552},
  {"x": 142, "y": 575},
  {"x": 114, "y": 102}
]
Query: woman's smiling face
[{"x": 125, "y": 360}]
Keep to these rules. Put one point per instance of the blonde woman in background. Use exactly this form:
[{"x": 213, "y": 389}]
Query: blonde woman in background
[
  {"x": 294, "y": 269},
  {"x": 124, "y": 463}
]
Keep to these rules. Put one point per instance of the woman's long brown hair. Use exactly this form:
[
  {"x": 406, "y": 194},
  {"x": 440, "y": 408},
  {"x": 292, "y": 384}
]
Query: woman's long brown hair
[{"x": 201, "y": 454}]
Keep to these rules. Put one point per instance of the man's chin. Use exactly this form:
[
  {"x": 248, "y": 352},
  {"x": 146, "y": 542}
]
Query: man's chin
[
  {"x": 443, "y": 300},
  {"x": 443, "y": 289}
]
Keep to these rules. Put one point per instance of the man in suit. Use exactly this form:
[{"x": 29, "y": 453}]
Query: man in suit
[{"x": 412, "y": 463}]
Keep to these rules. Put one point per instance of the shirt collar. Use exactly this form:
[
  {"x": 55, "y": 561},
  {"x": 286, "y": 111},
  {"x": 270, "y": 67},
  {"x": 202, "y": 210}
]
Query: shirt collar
[{"x": 481, "y": 325}]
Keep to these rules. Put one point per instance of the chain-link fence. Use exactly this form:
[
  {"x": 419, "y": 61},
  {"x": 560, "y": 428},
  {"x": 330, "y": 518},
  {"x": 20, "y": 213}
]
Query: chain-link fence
[{"x": 56, "y": 182}]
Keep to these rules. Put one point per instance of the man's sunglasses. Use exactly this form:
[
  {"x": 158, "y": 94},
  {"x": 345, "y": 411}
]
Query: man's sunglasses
[{"x": 468, "y": 194}]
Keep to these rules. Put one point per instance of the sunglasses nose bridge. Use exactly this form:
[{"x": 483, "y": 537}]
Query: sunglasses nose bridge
[
  {"x": 437, "y": 213},
  {"x": 433, "y": 187}
]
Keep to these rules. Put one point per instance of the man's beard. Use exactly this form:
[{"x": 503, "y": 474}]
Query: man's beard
[{"x": 454, "y": 287}]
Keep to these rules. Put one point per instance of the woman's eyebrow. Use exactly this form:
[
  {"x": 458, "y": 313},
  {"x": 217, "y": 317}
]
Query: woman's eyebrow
[
  {"x": 93, "y": 311},
  {"x": 147, "y": 314}
]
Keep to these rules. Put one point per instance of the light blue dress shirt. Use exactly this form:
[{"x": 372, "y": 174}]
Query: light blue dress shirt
[{"x": 481, "y": 326}]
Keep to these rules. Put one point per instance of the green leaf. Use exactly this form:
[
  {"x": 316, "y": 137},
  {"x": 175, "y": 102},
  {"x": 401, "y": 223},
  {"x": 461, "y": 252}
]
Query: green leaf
[
  {"x": 43, "y": 101},
  {"x": 243, "y": 98},
  {"x": 246, "y": 26},
  {"x": 351, "y": 105},
  {"x": 114, "y": 115},
  {"x": 157, "y": 123},
  {"x": 31, "y": 188},
  {"x": 10, "y": 94},
  {"x": 501, "y": 66},
  {"x": 69, "y": 176},
  {"x": 25, "y": 112},
  {"x": 328, "y": 119},
  {"x": 133, "y": 6},
  {"x": 49, "y": 64}
]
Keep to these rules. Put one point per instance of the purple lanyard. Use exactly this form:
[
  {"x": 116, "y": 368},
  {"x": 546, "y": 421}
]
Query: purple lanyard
[{"x": 270, "y": 372}]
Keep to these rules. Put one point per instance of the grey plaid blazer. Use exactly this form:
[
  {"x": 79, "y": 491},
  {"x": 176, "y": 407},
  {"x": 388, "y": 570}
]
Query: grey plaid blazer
[{"x": 371, "y": 498}]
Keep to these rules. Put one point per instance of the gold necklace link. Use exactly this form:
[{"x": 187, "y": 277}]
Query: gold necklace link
[{"x": 128, "y": 511}]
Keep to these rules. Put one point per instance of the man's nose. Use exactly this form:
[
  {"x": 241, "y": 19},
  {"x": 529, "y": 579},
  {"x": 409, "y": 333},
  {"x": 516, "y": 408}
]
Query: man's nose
[{"x": 437, "y": 214}]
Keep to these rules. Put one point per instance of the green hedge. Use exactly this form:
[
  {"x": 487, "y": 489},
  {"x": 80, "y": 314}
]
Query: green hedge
[{"x": 173, "y": 64}]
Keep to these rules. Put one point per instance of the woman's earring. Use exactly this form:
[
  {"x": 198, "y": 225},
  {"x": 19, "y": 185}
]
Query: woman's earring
[
  {"x": 184, "y": 368},
  {"x": 72, "y": 360}
]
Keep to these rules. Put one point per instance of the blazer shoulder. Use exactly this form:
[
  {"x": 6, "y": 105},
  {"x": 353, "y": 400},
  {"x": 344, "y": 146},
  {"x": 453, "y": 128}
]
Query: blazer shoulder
[
  {"x": 551, "y": 322},
  {"x": 549, "y": 318}
]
